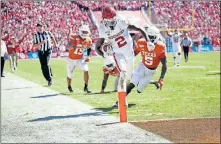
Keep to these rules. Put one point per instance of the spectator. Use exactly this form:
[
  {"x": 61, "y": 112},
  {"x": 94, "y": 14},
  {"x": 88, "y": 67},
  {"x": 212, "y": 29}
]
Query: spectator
[{"x": 206, "y": 40}]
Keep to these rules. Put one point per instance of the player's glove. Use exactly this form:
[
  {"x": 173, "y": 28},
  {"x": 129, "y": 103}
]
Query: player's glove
[
  {"x": 87, "y": 59},
  {"x": 160, "y": 83}
]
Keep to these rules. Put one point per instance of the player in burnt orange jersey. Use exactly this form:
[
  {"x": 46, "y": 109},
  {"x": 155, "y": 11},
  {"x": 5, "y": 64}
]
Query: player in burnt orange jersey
[
  {"x": 110, "y": 69},
  {"x": 79, "y": 50},
  {"x": 152, "y": 53}
]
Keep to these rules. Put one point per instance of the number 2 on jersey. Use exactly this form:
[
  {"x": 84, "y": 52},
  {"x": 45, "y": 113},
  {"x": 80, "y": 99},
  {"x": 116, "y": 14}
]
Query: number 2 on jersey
[{"x": 120, "y": 41}]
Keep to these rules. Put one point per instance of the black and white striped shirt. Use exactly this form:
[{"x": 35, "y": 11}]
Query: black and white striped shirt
[{"x": 39, "y": 37}]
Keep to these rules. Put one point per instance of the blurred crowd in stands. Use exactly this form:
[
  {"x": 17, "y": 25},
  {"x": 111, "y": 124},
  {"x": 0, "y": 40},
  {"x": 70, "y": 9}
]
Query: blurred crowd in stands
[{"x": 64, "y": 17}]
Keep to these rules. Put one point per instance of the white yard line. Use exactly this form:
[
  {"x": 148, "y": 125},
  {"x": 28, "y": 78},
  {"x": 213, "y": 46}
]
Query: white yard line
[
  {"x": 187, "y": 67},
  {"x": 32, "y": 113}
]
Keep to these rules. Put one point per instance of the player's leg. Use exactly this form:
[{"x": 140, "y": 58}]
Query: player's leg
[
  {"x": 184, "y": 52},
  {"x": 145, "y": 80},
  {"x": 136, "y": 77},
  {"x": 121, "y": 64},
  {"x": 174, "y": 54},
  {"x": 16, "y": 60},
  {"x": 104, "y": 82},
  {"x": 187, "y": 54},
  {"x": 71, "y": 64},
  {"x": 11, "y": 62},
  {"x": 84, "y": 67},
  {"x": 116, "y": 83},
  {"x": 178, "y": 55},
  {"x": 155, "y": 83},
  {"x": 130, "y": 66}
]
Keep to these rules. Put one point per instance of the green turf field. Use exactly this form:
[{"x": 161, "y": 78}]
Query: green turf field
[{"x": 187, "y": 92}]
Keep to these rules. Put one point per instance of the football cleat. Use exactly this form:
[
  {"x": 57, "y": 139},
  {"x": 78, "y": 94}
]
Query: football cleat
[
  {"x": 70, "y": 89},
  {"x": 86, "y": 90},
  {"x": 157, "y": 85}
]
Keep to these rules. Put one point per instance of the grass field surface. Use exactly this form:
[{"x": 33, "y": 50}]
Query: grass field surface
[{"x": 191, "y": 90}]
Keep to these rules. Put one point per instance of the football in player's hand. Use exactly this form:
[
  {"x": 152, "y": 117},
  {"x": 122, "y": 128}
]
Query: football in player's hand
[
  {"x": 87, "y": 59},
  {"x": 106, "y": 48}
]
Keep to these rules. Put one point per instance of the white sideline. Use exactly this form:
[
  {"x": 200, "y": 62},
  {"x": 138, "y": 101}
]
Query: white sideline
[
  {"x": 35, "y": 114},
  {"x": 187, "y": 67}
]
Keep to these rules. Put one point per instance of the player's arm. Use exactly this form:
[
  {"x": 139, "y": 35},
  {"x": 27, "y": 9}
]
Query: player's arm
[
  {"x": 99, "y": 42},
  {"x": 164, "y": 67},
  {"x": 137, "y": 49},
  {"x": 140, "y": 29},
  {"x": 92, "y": 18},
  {"x": 36, "y": 43},
  {"x": 163, "y": 71},
  {"x": 104, "y": 82}
]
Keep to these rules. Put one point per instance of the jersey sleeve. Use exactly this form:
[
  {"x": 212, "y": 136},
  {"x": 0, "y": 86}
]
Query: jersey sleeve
[
  {"x": 101, "y": 32},
  {"x": 137, "y": 49},
  {"x": 123, "y": 21}
]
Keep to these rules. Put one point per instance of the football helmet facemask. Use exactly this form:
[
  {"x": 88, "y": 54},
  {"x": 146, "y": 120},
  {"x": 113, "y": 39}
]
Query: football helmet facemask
[{"x": 84, "y": 31}]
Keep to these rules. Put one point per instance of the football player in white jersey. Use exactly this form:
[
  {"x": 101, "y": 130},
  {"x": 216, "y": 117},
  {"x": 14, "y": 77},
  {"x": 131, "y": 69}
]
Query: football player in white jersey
[
  {"x": 176, "y": 40},
  {"x": 114, "y": 29}
]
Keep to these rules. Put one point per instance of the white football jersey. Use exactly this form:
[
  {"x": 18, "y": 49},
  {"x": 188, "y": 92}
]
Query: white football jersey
[
  {"x": 119, "y": 37},
  {"x": 176, "y": 39}
]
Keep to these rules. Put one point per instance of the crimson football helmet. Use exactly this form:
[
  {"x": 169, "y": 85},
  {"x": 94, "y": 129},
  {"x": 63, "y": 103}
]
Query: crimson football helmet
[
  {"x": 109, "y": 16},
  {"x": 109, "y": 63}
]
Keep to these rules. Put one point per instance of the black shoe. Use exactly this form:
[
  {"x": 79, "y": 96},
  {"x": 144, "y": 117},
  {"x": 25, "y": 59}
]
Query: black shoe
[
  {"x": 115, "y": 105},
  {"x": 70, "y": 89},
  {"x": 2, "y": 76},
  {"x": 156, "y": 84},
  {"x": 50, "y": 82},
  {"x": 87, "y": 90}
]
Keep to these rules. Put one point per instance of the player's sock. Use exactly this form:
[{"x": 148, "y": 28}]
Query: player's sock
[
  {"x": 85, "y": 85},
  {"x": 174, "y": 60},
  {"x": 115, "y": 83},
  {"x": 178, "y": 59},
  {"x": 130, "y": 87}
]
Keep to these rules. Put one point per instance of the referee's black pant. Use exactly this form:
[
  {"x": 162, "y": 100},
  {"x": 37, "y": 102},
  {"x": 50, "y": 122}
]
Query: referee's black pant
[
  {"x": 2, "y": 65},
  {"x": 44, "y": 57},
  {"x": 186, "y": 52}
]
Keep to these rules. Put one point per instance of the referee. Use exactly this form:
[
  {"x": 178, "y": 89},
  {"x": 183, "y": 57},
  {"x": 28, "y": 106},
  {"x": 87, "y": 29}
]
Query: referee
[
  {"x": 186, "y": 43},
  {"x": 43, "y": 41}
]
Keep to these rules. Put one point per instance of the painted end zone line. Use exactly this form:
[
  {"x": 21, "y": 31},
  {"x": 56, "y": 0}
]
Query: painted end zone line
[
  {"x": 187, "y": 67},
  {"x": 214, "y": 71},
  {"x": 169, "y": 119}
]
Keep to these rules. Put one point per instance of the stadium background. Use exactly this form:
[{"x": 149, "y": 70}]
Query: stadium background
[{"x": 200, "y": 19}]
